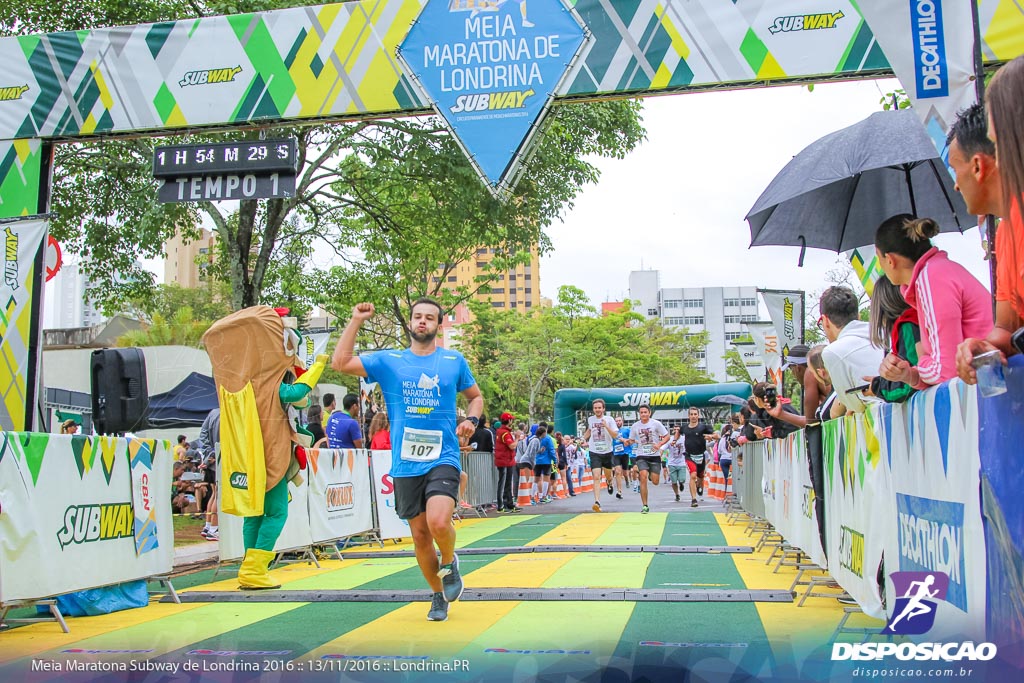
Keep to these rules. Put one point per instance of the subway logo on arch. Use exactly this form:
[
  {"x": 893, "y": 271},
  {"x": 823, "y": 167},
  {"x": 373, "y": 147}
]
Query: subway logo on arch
[
  {"x": 87, "y": 523},
  {"x": 12, "y": 92},
  {"x": 805, "y": 22},
  {"x": 204, "y": 76},
  {"x": 651, "y": 398},
  {"x": 512, "y": 99}
]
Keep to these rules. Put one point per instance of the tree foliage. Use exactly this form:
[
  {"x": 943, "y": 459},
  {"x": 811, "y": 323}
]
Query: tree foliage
[
  {"x": 394, "y": 202},
  {"x": 181, "y": 329},
  {"x": 520, "y": 361}
]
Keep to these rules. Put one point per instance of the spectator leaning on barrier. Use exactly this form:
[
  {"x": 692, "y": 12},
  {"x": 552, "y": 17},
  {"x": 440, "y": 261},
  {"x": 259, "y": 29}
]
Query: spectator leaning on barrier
[
  {"x": 770, "y": 407},
  {"x": 951, "y": 304},
  {"x": 849, "y": 357},
  {"x": 972, "y": 156}
]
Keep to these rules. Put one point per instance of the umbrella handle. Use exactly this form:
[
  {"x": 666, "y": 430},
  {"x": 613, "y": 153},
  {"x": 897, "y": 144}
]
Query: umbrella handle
[{"x": 803, "y": 250}]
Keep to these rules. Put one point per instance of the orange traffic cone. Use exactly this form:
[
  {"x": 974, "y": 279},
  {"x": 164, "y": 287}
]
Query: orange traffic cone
[
  {"x": 560, "y": 490},
  {"x": 525, "y": 488},
  {"x": 587, "y": 485}
]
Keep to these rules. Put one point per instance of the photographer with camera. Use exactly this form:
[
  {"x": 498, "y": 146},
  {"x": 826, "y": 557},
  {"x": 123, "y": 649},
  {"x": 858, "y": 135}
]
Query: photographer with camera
[{"x": 769, "y": 420}]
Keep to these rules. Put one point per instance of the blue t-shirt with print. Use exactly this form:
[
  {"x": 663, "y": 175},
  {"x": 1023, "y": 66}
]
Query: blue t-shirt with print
[
  {"x": 619, "y": 448},
  {"x": 547, "y": 455},
  {"x": 420, "y": 393},
  {"x": 342, "y": 430}
]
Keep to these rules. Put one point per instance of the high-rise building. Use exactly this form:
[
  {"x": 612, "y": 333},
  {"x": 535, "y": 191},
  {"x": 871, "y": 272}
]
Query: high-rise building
[
  {"x": 719, "y": 311},
  {"x": 517, "y": 289},
  {"x": 66, "y": 304},
  {"x": 186, "y": 261}
]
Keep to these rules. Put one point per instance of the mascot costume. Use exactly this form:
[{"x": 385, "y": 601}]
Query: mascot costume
[{"x": 257, "y": 358}]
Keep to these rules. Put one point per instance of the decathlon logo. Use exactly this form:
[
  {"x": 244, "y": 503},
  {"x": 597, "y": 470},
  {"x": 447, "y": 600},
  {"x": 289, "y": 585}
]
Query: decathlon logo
[
  {"x": 805, "y": 22},
  {"x": 87, "y": 523},
  {"x": 12, "y": 93},
  {"x": 930, "y": 69},
  {"x": 239, "y": 480},
  {"x": 206, "y": 76},
  {"x": 339, "y": 497},
  {"x": 931, "y": 534}
]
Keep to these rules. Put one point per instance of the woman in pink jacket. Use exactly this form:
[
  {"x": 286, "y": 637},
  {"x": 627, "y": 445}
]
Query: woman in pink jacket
[{"x": 951, "y": 304}]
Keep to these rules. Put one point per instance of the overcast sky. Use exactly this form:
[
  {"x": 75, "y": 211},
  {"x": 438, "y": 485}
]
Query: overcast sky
[{"x": 676, "y": 204}]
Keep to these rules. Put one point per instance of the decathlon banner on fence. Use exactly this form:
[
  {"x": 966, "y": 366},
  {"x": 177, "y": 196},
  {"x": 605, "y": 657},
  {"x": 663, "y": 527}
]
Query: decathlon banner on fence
[
  {"x": 767, "y": 342},
  {"x": 931, "y": 443},
  {"x": 859, "y": 507},
  {"x": 340, "y": 502},
  {"x": 295, "y": 533},
  {"x": 789, "y": 496},
  {"x": 67, "y": 515},
  {"x": 389, "y": 523},
  {"x": 786, "y": 309},
  {"x": 19, "y": 323}
]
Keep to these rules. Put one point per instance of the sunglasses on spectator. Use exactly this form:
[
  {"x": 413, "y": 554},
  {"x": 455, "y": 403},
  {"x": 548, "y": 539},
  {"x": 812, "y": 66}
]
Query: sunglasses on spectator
[{"x": 821, "y": 322}]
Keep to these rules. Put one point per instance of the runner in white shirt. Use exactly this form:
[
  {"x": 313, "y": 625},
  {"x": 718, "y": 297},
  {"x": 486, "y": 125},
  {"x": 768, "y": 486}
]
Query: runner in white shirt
[
  {"x": 601, "y": 431},
  {"x": 649, "y": 436},
  {"x": 678, "y": 472}
]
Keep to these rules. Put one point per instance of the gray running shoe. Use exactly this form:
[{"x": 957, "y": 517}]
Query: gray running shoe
[
  {"x": 693, "y": 503},
  {"x": 438, "y": 608},
  {"x": 451, "y": 580}
]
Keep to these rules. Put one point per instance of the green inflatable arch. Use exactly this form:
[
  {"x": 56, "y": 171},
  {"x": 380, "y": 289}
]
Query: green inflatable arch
[{"x": 568, "y": 401}]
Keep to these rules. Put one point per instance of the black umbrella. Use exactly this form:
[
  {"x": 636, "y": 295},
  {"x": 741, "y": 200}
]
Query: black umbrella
[
  {"x": 728, "y": 399},
  {"x": 835, "y": 193}
]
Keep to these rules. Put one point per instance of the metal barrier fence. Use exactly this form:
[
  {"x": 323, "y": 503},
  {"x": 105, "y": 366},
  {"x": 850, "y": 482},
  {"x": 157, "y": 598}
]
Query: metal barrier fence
[
  {"x": 746, "y": 478},
  {"x": 482, "y": 487}
]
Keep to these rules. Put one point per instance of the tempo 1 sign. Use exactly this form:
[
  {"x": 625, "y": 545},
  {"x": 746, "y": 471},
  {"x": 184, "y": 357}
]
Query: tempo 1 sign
[
  {"x": 226, "y": 187},
  {"x": 246, "y": 169}
]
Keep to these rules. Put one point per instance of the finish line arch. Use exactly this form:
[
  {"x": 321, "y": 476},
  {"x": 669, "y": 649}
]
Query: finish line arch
[
  {"x": 568, "y": 401},
  {"x": 337, "y": 62}
]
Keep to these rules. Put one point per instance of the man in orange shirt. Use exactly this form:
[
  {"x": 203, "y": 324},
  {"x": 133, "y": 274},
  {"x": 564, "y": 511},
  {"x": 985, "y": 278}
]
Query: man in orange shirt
[{"x": 973, "y": 159}]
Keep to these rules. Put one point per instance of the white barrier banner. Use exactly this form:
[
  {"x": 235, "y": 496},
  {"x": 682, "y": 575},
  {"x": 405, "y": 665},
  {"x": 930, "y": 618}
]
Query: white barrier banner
[
  {"x": 932, "y": 447},
  {"x": 340, "y": 501},
  {"x": 67, "y": 521},
  {"x": 295, "y": 533},
  {"x": 792, "y": 512},
  {"x": 390, "y": 525},
  {"x": 858, "y": 507}
]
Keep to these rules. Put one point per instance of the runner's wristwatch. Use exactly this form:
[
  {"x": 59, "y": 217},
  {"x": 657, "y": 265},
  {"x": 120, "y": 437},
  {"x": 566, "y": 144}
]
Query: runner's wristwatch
[{"x": 474, "y": 420}]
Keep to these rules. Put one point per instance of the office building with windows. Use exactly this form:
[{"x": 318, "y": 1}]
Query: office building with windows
[{"x": 719, "y": 311}]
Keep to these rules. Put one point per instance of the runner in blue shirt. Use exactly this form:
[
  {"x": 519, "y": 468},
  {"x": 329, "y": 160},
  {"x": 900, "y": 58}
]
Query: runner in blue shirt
[
  {"x": 420, "y": 385},
  {"x": 621, "y": 450}
]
